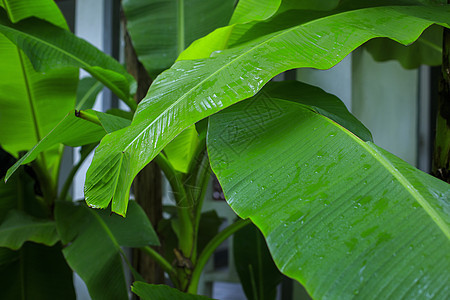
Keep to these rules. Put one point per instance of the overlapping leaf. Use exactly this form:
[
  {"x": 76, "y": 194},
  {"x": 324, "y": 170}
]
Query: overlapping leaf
[
  {"x": 249, "y": 10},
  {"x": 32, "y": 103},
  {"x": 50, "y": 47},
  {"x": 43, "y": 9},
  {"x": 340, "y": 215},
  {"x": 161, "y": 29},
  {"x": 426, "y": 50},
  {"x": 101, "y": 265},
  {"x": 71, "y": 131},
  {"x": 257, "y": 272},
  {"x": 19, "y": 227},
  {"x": 192, "y": 90}
]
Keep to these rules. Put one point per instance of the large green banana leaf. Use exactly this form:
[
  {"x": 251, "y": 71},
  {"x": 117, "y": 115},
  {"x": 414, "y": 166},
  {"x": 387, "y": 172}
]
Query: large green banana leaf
[
  {"x": 193, "y": 90},
  {"x": 32, "y": 103},
  {"x": 50, "y": 47},
  {"x": 427, "y": 49},
  {"x": 340, "y": 215},
  {"x": 162, "y": 29},
  {"x": 93, "y": 240},
  {"x": 43, "y": 9}
]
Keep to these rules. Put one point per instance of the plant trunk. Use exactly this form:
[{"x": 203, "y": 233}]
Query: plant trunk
[
  {"x": 147, "y": 185},
  {"x": 441, "y": 157}
]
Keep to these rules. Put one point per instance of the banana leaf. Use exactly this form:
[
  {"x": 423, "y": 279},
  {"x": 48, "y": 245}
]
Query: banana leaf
[
  {"x": 161, "y": 29},
  {"x": 341, "y": 216}
]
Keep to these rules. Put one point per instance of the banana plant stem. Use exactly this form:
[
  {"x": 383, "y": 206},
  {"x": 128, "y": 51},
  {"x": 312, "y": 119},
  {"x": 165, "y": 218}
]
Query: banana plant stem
[
  {"x": 88, "y": 117},
  {"x": 209, "y": 250}
]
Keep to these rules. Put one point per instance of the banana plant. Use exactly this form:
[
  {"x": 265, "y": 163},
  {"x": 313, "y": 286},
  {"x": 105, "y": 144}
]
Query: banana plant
[{"x": 340, "y": 215}]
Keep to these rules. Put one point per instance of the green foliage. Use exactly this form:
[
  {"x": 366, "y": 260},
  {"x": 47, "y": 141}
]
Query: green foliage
[
  {"x": 71, "y": 131},
  {"x": 162, "y": 29},
  {"x": 51, "y": 47},
  {"x": 17, "y": 228},
  {"x": 348, "y": 209},
  {"x": 254, "y": 264},
  {"x": 340, "y": 215},
  {"x": 80, "y": 228}
]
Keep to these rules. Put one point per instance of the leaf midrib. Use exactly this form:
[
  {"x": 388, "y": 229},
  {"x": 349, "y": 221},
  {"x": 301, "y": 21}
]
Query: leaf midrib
[
  {"x": 392, "y": 170},
  {"x": 83, "y": 64},
  {"x": 30, "y": 97},
  {"x": 180, "y": 27},
  {"x": 430, "y": 44},
  {"x": 286, "y": 31}
]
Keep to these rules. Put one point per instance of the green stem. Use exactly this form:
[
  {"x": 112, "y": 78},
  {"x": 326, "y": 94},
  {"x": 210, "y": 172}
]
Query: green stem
[
  {"x": 88, "y": 117},
  {"x": 209, "y": 250}
]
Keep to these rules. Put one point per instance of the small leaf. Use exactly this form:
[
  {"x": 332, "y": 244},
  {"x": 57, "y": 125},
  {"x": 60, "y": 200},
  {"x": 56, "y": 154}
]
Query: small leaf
[
  {"x": 111, "y": 122},
  {"x": 19, "y": 227},
  {"x": 181, "y": 150}
]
